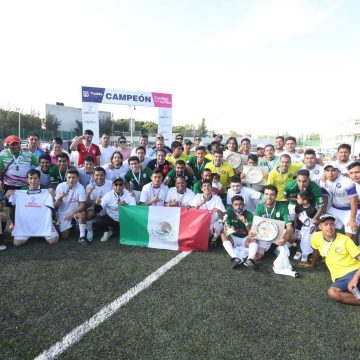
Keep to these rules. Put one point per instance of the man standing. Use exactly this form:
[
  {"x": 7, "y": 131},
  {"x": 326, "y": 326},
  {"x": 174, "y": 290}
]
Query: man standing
[
  {"x": 144, "y": 141},
  {"x": 106, "y": 149},
  {"x": 342, "y": 257},
  {"x": 84, "y": 145},
  {"x": 269, "y": 160},
  {"x": 343, "y": 200},
  {"x": 44, "y": 169},
  {"x": 290, "y": 149},
  {"x": 198, "y": 162},
  {"x": 58, "y": 172},
  {"x": 14, "y": 165},
  {"x": 154, "y": 193},
  {"x": 33, "y": 144},
  {"x": 343, "y": 158},
  {"x": 279, "y": 145},
  {"x": 311, "y": 165}
]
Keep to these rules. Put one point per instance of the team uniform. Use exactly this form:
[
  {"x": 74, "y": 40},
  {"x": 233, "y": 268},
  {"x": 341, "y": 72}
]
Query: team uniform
[
  {"x": 172, "y": 174},
  {"x": 182, "y": 199},
  {"x": 315, "y": 173},
  {"x": 33, "y": 215},
  {"x": 295, "y": 157},
  {"x": 305, "y": 228},
  {"x": 270, "y": 164},
  {"x": 85, "y": 178},
  {"x": 99, "y": 192},
  {"x": 110, "y": 203},
  {"x": 74, "y": 196},
  {"x": 44, "y": 177},
  {"x": 214, "y": 202},
  {"x": 197, "y": 168},
  {"x": 340, "y": 257},
  {"x": 339, "y": 192},
  {"x": 225, "y": 171},
  {"x": 106, "y": 153},
  {"x": 251, "y": 198},
  {"x": 292, "y": 189},
  {"x": 343, "y": 167},
  {"x": 172, "y": 160},
  {"x": 280, "y": 180},
  {"x": 92, "y": 150},
  {"x": 164, "y": 168},
  {"x": 148, "y": 191},
  {"x": 138, "y": 180},
  {"x": 16, "y": 167},
  {"x": 115, "y": 173},
  {"x": 278, "y": 212}
]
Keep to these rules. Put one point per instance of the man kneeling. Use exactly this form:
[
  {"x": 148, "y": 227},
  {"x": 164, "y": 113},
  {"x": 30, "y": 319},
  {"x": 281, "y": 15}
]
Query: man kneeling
[{"x": 237, "y": 223}]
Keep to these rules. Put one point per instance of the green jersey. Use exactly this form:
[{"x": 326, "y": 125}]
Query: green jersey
[
  {"x": 278, "y": 212},
  {"x": 237, "y": 224},
  {"x": 138, "y": 180},
  {"x": 292, "y": 189},
  {"x": 198, "y": 168},
  {"x": 171, "y": 177},
  {"x": 56, "y": 176}
]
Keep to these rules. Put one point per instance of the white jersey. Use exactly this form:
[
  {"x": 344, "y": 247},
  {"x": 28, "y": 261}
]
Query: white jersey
[
  {"x": 148, "y": 192},
  {"x": 358, "y": 190},
  {"x": 99, "y": 191},
  {"x": 112, "y": 174},
  {"x": 316, "y": 173},
  {"x": 73, "y": 197},
  {"x": 32, "y": 213},
  {"x": 182, "y": 199},
  {"x": 110, "y": 202},
  {"x": 106, "y": 153},
  {"x": 343, "y": 167},
  {"x": 340, "y": 191},
  {"x": 150, "y": 153},
  {"x": 251, "y": 198},
  {"x": 295, "y": 157},
  {"x": 215, "y": 202}
]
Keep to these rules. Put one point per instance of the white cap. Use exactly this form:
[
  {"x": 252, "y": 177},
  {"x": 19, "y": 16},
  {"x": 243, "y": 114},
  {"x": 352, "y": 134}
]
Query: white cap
[
  {"x": 262, "y": 146},
  {"x": 332, "y": 164}
]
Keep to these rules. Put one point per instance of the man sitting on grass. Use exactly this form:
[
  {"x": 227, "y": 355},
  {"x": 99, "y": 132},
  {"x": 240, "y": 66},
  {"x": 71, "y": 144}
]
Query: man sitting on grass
[{"x": 342, "y": 257}]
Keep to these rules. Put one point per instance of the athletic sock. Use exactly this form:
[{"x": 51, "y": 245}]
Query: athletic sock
[
  {"x": 89, "y": 225},
  {"x": 82, "y": 228},
  {"x": 229, "y": 248},
  {"x": 253, "y": 248}
]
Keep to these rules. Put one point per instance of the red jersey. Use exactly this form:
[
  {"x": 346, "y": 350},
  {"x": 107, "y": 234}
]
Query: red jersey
[{"x": 93, "y": 151}]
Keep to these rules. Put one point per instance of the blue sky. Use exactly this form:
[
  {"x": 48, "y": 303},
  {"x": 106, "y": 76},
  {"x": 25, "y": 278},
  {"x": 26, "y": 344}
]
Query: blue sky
[{"x": 253, "y": 66}]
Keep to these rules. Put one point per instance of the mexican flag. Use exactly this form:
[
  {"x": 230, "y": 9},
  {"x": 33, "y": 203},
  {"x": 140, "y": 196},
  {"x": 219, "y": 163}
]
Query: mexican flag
[{"x": 158, "y": 227}]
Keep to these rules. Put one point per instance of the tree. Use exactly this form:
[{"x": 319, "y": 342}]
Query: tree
[
  {"x": 121, "y": 125},
  {"x": 149, "y": 127},
  {"x": 79, "y": 127},
  {"x": 202, "y": 130},
  {"x": 50, "y": 123},
  {"x": 106, "y": 126}
]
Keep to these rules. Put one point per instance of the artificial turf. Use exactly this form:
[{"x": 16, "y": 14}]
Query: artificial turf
[{"x": 200, "y": 309}]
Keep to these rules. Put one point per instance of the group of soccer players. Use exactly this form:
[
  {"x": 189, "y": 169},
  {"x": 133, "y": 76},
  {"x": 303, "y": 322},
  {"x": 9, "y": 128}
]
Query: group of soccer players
[{"x": 85, "y": 189}]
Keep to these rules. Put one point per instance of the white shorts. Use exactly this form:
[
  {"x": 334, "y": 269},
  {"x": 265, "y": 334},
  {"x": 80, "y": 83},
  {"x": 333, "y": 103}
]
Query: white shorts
[
  {"x": 239, "y": 246},
  {"x": 63, "y": 223},
  {"x": 54, "y": 234},
  {"x": 264, "y": 245},
  {"x": 342, "y": 218}
]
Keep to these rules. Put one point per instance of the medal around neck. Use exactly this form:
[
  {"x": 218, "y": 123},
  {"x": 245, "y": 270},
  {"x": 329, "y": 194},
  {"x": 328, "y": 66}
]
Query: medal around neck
[{"x": 268, "y": 229}]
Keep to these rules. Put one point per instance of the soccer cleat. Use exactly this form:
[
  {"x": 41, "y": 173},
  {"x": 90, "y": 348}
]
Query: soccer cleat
[
  {"x": 84, "y": 241},
  {"x": 237, "y": 262},
  {"x": 106, "y": 236},
  {"x": 2, "y": 247},
  {"x": 90, "y": 235},
  {"x": 250, "y": 263},
  {"x": 298, "y": 255}
]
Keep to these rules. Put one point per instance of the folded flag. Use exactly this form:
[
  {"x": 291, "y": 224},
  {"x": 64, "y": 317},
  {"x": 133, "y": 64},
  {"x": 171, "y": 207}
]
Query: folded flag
[{"x": 171, "y": 228}]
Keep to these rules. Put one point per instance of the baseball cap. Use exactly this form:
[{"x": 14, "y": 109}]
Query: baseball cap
[
  {"x": 260, "y": 146},
  {"x": 326, "y": 216},
  {"x": 332, "y": 164},
  {"x": 12, "y": 139},
  {"x": 187, "y": 141}
]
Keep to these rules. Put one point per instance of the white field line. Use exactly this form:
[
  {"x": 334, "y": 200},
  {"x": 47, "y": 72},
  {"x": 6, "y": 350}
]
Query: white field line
[{"x": 107, "y": 311}]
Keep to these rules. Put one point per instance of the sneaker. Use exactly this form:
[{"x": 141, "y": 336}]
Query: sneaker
[
  {"x": 304, "y": 258},
  {"x": 237, "y": 262},
  {"x": 250, "y": 263},
  {"x": 106, "y": 236},
  {"x": 90, "y": 235},
  {"x": 2, "y": 247},
  {"x": 84, "y": 241},
  {"x": 298, "y": 255}
]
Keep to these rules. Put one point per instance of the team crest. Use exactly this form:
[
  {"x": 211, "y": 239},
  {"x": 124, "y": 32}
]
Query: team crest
[
  {"x": 164, "y": 231},
  {"x": 338, "y": 250},
  {"x": 277, "y": 214},
  {"x": 338, "y": 185},
  {"x": 317, "y": 172},
  {"x": 223, "y": 172},
  {"x": 144, "y": 176}
]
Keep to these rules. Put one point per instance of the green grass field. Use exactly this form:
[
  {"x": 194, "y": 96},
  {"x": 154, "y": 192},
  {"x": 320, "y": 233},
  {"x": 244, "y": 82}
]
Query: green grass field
[{"x": 200, "y": 309}]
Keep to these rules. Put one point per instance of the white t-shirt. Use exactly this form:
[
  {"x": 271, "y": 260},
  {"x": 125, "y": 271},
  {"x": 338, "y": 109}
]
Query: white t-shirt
[
  {"x": 84, "y": 177},
  {"x": 106, "y": 153},
  {"x": 343, "y": 167},
  {"x": 214, "y": 203},
  {"x": 32, "y": 213},
  {"x": 149, "y": 152},
  {"x": 99, "y": 191},
  {"x": 295, "y": 157},
  {"x": 44, "y": 178},
  {"x": 182, "y": 199},
  {"x": 110, "y": 202},
  {"x": 72, "y": 200},
  {"x": 112, "y": 174},
  {"x": 315, "y": 173},
  {"x": 340, "y": 191},
  {"x": 148, "y": 191},
  {"x": 251, "y": 198}
]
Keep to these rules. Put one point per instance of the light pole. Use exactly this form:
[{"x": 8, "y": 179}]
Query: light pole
[{"x": 19, "y": 111}]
